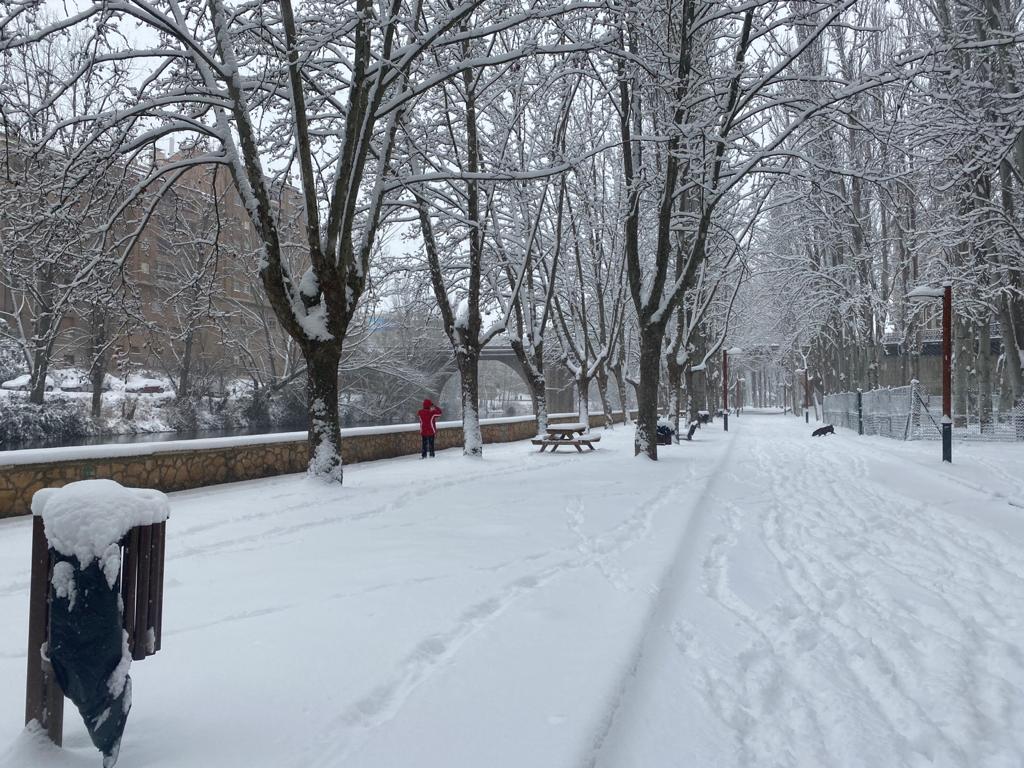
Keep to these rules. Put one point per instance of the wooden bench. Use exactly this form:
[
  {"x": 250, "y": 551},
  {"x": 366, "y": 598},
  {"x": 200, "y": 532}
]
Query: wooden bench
[{"x": 577, "y": 442}]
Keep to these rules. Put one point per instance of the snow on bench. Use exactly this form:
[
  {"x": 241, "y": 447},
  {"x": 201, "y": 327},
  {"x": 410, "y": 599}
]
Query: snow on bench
[{"x": 577, "y": 442}]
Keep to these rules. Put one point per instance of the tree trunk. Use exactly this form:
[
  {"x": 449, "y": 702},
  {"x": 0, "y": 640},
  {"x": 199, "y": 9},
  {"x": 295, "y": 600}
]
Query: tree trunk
[
  {"x": 620, "y": 385},
  {"x": 539, "y": 394},
  {"x": 37, "y": 381},
  {"x": 602, "y": 390},
  {"x": 646, "y": 441},
  {"x": 696, "y": 385},
  {"x": 675, "y": 385},
  {"x": 689, "y": 381},
  {"x": 583, "y": 399},
  {"x": 1011, "y": 351},
  {"x": 963, "y": 354},
  {"x": 98, "y": 367},
  {"x": 96, "y": 376},
  {"x": 186, "y": 367},
  {"x": 469, "y": 376},
  {"x": 322, "y": 361},
  {"x": 42, "y": 346},
  {"x": 533, "y": 369},
  {"x": 984, "y": 368}
]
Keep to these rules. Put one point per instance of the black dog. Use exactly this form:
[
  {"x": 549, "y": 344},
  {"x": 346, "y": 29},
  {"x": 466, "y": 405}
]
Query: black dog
[{"x": 828, "y": 429}]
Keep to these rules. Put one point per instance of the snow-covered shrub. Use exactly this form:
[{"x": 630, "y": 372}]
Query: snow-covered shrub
[
  {"x": 184, "y": 414},
  {"x": 254, "y": 406},
  {"x": 12, "y": 362},
  {"x": 288, "y": 407},
  {"x": 58, "y": 419}
]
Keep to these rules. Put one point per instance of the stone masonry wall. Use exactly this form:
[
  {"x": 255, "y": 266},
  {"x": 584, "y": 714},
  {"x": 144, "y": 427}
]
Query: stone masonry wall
[{"x": 167, "y": 469}]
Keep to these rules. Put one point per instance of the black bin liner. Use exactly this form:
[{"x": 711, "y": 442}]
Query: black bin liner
[{"x": 86, "y": 647}]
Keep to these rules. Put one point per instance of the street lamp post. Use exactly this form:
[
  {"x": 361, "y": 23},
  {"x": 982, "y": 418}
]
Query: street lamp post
[
  {"x": 725, "y": 389},
  {"x": 725, "y": 384},
  {"x": 807, "y": 398},
  {"x": 926, "y": 294}
]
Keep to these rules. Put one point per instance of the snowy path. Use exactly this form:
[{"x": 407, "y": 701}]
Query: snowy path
[
  {"x": 847, "y": 602},
  {"x": 448, "y": 612},
  {"x": 753, "y": 599}
]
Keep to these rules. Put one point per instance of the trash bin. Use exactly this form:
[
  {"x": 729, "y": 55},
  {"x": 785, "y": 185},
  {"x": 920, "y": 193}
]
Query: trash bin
[
  {"x": 664, "y": 434},
  {"x": 97, "y": 599}
]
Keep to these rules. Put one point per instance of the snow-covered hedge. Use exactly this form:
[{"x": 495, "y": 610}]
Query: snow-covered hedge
[
  {"x": 12, "y": 363},
  {"x": 22, "y": 421}
]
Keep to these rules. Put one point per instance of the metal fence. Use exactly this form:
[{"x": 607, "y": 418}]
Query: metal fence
[
  {"x": 843, "y": 409},
  {"x": 912, "y": 413}
]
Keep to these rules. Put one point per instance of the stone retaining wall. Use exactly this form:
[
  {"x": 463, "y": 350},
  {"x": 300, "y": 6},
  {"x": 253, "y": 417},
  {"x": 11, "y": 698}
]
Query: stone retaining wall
[{"x": 178, "y": 466}]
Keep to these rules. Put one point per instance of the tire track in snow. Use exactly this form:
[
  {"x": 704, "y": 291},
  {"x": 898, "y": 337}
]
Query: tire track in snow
[
  {"x": 664, "y": 594},
  {"x": 438, "y": 651}
]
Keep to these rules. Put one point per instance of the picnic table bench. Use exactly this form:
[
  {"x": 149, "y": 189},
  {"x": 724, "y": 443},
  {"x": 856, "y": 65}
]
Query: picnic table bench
[{"x": 564, "y": 435}]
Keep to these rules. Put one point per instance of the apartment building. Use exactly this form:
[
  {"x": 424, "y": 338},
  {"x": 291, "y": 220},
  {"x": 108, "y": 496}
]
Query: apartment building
[{"x": 186, "y": 302}]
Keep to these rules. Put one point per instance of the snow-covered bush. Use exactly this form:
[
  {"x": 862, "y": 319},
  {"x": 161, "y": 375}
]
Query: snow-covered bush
[
  {"x": 12, "y": 362},
  {"x": 288, "y": 407},
  {"x": 58, "y": 419}
]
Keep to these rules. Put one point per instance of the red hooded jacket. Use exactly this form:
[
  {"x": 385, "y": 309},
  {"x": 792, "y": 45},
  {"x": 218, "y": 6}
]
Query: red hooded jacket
[{"x": 428, "y": 418}]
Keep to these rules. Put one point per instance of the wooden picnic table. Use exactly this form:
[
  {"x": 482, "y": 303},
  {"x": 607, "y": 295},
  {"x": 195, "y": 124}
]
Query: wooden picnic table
[
  {"x": 566, "y": 431},
  {"x": 559, "y": 435}
]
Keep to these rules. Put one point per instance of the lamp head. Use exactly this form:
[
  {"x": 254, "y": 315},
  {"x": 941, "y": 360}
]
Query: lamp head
[{"x": 925, "y": 294}]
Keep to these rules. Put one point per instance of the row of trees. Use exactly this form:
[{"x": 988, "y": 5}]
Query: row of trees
[
  {"x": 607, "y": 172},
  {"x": 918, "y": 180}
]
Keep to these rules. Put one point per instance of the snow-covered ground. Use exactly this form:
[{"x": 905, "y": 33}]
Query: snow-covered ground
[{"x": 759, "y": 598}]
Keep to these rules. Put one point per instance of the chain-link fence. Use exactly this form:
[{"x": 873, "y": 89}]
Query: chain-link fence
[
  {"x": 912, "y": 413},
  {"x": 842, "y": 409}
]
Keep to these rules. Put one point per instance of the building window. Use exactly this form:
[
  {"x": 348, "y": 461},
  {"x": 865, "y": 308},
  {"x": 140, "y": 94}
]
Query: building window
[{"x": 165, "y": 274}]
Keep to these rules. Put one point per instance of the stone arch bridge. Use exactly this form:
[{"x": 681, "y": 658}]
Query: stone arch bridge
[{"x": 560, "y": 389}]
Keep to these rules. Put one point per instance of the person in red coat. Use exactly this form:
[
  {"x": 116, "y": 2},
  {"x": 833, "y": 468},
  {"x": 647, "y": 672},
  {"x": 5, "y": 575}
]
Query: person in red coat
[{"x": 428, "y": 426}]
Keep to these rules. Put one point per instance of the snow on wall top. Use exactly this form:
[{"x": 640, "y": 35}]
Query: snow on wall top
[
  {"x": 87, "y": 517},
  {"x": 118, "y": 450}
]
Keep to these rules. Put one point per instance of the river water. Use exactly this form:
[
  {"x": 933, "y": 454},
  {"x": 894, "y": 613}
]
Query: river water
[{"x": 144, "y": 437}]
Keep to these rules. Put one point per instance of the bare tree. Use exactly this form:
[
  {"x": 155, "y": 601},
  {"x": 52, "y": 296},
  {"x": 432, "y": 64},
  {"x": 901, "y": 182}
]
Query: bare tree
[{"x": 56, "y": 193}]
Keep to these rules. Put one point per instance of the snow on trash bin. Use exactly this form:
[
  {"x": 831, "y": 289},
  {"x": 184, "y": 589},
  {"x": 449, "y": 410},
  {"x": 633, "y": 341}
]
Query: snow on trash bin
[{"x": 85, "y": 523}]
